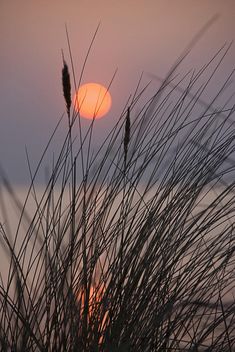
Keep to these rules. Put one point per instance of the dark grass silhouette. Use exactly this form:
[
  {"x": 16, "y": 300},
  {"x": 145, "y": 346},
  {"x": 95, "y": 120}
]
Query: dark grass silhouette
[{"x": 131, "y": 256}]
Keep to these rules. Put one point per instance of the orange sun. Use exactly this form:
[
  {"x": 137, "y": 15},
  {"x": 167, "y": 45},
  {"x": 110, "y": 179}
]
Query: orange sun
[{"x": 92, "y": 100}]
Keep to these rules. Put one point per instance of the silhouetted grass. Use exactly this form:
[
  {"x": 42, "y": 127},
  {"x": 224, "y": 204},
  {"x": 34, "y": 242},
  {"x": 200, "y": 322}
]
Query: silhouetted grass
[{"x": 131, "y": 256}]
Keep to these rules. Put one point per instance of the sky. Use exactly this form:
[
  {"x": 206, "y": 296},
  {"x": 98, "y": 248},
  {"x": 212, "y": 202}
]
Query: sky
[{"x": 134, "y": 36}]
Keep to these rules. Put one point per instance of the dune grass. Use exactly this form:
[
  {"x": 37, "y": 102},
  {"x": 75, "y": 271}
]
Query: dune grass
[{"x": 132, "y": 255}]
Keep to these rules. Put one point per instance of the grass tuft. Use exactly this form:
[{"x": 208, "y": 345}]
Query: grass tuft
[{"x": 130, "y": 256}]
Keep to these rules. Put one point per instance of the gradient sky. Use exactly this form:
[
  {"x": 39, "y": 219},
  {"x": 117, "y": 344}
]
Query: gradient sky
[{"x": 134, "y": 36}]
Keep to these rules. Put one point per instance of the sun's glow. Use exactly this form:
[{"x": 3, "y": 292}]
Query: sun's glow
[
  {"x": 92, "y": 100},
  {"x": 96, "y": 294}
]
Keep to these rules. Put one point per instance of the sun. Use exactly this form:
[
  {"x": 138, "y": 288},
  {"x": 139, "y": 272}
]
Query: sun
[{"x": 92, "y": 100}]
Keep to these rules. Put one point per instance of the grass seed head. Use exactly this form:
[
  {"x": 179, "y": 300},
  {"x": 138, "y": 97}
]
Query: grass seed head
[
  {"x": 66, "y": 85},
  {"x": 127, "y": 133}
]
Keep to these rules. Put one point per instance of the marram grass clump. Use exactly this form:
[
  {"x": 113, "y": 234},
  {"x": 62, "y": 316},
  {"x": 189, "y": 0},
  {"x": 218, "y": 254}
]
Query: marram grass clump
[{"x": 131, "y": 247}]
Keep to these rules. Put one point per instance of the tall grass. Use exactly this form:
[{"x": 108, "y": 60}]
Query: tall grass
[{"x": 133, "y": 255}]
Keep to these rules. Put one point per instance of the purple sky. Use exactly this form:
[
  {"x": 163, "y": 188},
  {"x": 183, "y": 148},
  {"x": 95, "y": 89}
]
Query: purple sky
[{"x": 134, "y": 36}]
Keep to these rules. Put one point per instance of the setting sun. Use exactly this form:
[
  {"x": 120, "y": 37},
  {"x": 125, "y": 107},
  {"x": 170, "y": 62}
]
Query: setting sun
[{"x": 92, "y": 100}]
